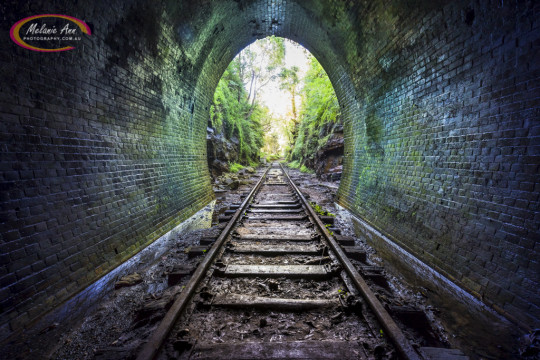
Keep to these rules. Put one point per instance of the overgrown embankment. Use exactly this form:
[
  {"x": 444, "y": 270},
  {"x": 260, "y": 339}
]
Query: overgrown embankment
[
  {"x": 234, "y": 134},
  {"x": 318, "y": 142},
  {"x": 239, "y": 122}
]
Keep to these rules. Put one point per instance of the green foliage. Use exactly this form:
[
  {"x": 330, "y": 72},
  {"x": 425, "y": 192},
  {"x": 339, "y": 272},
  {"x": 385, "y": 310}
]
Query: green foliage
[
  {"x": 319, "y": 210},
  {"x": 233, "y": 115},
  {"x": 294, "y": 164},
  {"x": 260, "y": 60},
  {"x": 328, "y": 226},
  {"x": 320, "y": 112},
  {"x": 235, "y": 111},
  {"x": 305, "y": 169},
  {"x": 289, "y": 78},
  {"x": 272, "y": 157},
  {"x": 237, "y": 114},
  {"x": 235, "y": 167}
]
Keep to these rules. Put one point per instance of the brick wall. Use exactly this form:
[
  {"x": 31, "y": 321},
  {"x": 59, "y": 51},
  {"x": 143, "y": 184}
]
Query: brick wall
[
  {"x": 103, "y": 151},
  {"x": 103, "y": 147},
  {"x": 443, "y": 150}
]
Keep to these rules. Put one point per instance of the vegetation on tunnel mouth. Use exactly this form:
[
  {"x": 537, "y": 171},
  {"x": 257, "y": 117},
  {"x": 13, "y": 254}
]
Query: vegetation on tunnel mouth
[{"x": 246, "y": 126}]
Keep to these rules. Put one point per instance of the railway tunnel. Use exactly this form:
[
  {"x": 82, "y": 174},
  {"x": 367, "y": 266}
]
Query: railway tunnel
[{"x": 103, "y": 146}]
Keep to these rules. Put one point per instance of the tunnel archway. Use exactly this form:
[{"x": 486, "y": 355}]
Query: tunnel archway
[
  {"x": 296, "y": 126},
  {"x": 254, "y": 27},
  {"x": 104, "y": 152}
]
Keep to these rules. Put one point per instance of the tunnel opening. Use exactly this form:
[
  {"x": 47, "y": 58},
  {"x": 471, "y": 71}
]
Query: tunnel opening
[{"x": 274, "y": 101}]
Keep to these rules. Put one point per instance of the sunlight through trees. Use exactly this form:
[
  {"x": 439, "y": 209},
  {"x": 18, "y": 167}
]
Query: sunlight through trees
[{"x": 267, "y": 105}]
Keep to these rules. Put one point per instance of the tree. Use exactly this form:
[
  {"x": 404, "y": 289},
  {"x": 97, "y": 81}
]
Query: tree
[
  {"x": 319, "y": 112},
  {"x": 289, "y": 81},
  {"x": 232, "y": 114},
  {"x": 259, "y": 63}
]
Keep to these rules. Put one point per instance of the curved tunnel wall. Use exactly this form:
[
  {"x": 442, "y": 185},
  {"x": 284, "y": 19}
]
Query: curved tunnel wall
[{"x": 103, "y": 147}]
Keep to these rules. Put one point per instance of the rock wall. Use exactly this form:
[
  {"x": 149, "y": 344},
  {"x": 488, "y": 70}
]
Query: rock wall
[
  {"x": 221, "y": 152},
  {"x": 328, "y": 160}
]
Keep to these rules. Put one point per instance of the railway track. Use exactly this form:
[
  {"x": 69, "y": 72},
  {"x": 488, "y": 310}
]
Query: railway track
[{"x": 277, "y": 285}]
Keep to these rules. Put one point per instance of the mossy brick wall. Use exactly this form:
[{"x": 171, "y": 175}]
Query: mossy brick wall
[
  {"x": 102, "y": 151},
  {"x": 104, "y": 146},
  {"x": 443, "y": 152}
]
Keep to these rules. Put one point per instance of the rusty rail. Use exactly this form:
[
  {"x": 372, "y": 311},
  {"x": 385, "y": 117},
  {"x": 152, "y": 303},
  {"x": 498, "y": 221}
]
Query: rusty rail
[
  {"x": 392, "y": 330},
  {"x": 151, "y": 348}
]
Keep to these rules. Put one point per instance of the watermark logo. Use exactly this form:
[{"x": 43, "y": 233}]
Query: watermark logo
[{"x": 48, "y": 32}]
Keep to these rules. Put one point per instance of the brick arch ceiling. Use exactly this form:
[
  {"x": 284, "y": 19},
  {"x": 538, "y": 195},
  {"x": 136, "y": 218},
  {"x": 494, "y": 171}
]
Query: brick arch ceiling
[{"x": 233, "y": 30}]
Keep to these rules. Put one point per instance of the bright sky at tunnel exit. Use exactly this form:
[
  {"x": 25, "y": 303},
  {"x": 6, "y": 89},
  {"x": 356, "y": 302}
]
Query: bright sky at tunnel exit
[
  {"x": 272, "y": 95},
  {"x": 276, "y": 99}
]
